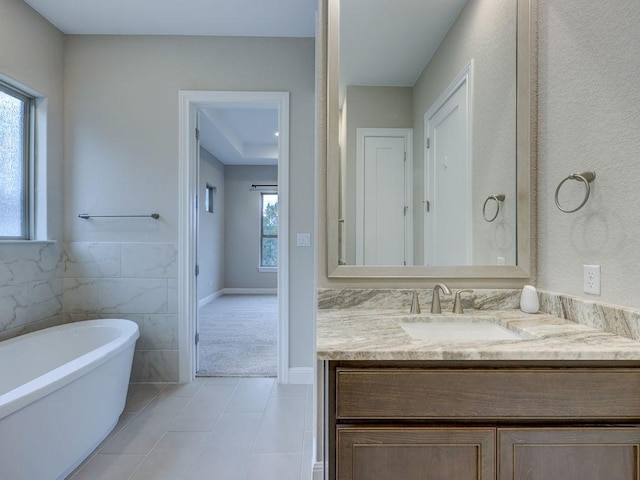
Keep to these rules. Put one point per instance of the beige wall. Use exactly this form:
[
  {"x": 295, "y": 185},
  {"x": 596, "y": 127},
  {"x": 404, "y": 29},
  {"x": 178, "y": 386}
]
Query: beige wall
[
  {"x": 367, "y": 107},
  {"x": 211, "y": 227},
  {"x": 121, "y": 137},
  {"x": 589, "y": 113},
  {"x": 485, "y": 32},
  {"x": 242, "y": 227}
]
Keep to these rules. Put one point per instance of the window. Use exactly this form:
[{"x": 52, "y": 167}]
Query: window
[
  {"x": 269, "y": 230},
  {"x": 15, "y": 171},
  {"x": 209, "y": 198}
]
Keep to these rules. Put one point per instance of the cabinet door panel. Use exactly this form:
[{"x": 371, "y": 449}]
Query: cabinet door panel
[
  {"x": 569, "y": 454},
  {"x": 415, "y": 453}
]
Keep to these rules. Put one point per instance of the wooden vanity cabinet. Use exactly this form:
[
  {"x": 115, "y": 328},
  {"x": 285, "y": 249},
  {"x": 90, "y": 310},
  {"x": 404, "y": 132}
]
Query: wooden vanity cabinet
[{"x": 478, "y": 421}]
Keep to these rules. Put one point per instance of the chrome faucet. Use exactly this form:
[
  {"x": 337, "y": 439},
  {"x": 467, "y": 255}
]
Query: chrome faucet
[
  {"x": 457, "y": 302},
  {"x": 435, "y": 301},
  {"x": 415, "y": 303}
]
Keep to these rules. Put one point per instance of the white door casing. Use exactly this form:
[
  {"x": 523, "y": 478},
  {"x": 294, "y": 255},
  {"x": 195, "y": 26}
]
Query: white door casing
[
  {"x": 189, "y": 103},
  {"x": 384, "y": 196},
  {"x": 448, "y": 234}
]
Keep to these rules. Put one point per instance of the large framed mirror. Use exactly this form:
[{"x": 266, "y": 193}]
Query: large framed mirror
[{"x": 430, "y": 138}]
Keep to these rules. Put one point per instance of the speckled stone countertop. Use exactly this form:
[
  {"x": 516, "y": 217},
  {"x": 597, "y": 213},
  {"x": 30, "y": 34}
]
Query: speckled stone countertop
[{"x": 376, "y": 334}]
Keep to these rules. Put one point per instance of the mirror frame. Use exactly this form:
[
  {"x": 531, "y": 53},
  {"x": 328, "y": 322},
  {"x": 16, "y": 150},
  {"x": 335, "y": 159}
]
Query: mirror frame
[{"x": 524, "y": 270}]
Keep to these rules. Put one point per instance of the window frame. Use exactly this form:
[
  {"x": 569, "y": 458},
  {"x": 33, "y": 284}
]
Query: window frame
[
  {"x": 261, "y": 266},
  {"x": 210, "y": 192},
  {"x": 28, "y": 162}
]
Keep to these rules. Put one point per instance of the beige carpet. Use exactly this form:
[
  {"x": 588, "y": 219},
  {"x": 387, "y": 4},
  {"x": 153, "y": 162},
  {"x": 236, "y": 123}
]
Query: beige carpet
[{"x": 239, "y": 336}]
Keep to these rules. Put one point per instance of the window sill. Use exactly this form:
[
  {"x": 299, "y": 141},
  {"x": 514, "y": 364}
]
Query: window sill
[
  {"x": 268, "y": 269},
  {"x": 26, "y": 242}
]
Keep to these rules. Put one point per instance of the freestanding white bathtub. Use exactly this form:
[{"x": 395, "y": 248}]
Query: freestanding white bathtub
[{"x": 62, "y": 390}]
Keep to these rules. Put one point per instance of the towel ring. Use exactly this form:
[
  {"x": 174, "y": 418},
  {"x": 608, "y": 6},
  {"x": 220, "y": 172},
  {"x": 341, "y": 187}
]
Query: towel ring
[
  {"x": 584, "y": 177},
  {"x": 496, "y": 198}
]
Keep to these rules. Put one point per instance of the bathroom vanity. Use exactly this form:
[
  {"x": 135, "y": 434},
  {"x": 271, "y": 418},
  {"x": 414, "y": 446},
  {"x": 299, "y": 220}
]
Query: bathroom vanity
[{"x": 561, "y": 401}]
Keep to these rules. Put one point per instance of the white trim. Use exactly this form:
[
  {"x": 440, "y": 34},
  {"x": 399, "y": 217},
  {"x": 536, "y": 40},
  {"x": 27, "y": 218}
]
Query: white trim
[
  {"x": 250, "y": 291},
  {"x": 210, "y": 298},
  {"x": 301, "y": 375},
  {"x": 189, "y": 103},
  {"x": 318, "y": 471},
  {"x": 465, "y": 77},
  {"x": 361, "y": 134},
  {"x": 268, "y": 269}
]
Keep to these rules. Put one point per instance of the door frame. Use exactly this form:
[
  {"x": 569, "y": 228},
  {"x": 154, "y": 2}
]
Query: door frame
[
  {"x": 189, "y": 103},
  {"x": 361, "y": 134},
  {"x": 464, "y": 77}
]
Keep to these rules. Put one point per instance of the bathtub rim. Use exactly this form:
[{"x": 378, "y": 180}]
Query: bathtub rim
[{"x": 27, "y": 393}]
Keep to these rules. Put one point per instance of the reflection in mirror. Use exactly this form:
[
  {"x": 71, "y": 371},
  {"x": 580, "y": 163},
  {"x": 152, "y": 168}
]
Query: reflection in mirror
[{"x": 427, "y": 132}]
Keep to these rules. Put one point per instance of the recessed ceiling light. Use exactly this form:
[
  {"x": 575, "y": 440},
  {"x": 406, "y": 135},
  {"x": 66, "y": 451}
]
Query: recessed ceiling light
[{"x": 277, "y": 134}]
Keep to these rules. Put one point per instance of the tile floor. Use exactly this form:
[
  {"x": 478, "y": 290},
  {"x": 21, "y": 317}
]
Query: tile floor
[{"x": 214, "y": 428}]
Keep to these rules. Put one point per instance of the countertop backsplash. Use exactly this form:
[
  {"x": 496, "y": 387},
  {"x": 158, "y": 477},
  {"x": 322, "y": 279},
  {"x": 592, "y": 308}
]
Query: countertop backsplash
[{"x": 615, "y": 319}]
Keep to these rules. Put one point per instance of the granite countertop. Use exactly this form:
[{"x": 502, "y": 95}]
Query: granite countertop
[{"x": 376, "y": 334}]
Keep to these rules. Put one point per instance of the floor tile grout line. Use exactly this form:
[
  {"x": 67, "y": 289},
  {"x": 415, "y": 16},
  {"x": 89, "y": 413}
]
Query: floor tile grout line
[
  {"x": 98, "y": 451},
  {"x": 203, "y": 446},
  {"x": 133, "y": 473}
]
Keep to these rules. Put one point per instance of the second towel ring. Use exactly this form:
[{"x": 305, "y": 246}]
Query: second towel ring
[
  {"x": 496, "y": 198},
  {"x": 584, "y": 177}
]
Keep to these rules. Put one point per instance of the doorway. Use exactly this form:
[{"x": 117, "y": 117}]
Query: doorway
[
  {"x": 448, "y": 234},
  {"x": 384, "y": 196},
  {"x": 191, "y": 102}
]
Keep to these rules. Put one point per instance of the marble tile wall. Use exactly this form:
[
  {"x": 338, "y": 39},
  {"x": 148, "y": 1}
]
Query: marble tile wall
[
  {"x": 31, "y": 294},
  {"x": 136, "y": 281},
  {"x": 623, "y": 321},
  {"x": 400, "y": 299}
]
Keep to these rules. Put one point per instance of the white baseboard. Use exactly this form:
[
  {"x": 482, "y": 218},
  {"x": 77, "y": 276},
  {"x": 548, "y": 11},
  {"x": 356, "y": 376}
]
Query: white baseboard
[
  {"x": 318, "y": 471},
  {"x": 250, "y": 291},
  {"x": 210, "y": 298},
  {"x": 301, "y": 375}
]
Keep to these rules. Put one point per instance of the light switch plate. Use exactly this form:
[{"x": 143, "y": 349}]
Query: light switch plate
[{"x": 303, "y": 240}]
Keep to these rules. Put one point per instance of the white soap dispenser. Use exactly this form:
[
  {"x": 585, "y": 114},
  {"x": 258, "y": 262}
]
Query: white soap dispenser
[{"x": 529, "y": 302}]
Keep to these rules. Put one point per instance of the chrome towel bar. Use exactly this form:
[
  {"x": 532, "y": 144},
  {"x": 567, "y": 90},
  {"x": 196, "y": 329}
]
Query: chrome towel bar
[{"x": 87, "y": 216}]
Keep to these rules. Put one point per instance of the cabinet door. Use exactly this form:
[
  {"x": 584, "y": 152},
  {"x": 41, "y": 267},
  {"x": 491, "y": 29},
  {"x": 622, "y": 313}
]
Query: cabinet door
[
  {"x": 605, "y": 453},
  {"x": 415, "y": 453}
]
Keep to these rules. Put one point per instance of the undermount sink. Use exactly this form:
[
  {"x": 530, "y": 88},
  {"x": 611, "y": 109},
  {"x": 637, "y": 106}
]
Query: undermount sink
[{"x": 454, "y": 329}]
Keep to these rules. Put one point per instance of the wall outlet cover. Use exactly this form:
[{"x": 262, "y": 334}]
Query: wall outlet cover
[{"x": 591, "y": 279}]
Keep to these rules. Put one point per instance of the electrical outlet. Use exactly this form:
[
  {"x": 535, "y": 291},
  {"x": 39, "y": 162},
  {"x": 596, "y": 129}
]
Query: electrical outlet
[{"x": 591, "y": 279}]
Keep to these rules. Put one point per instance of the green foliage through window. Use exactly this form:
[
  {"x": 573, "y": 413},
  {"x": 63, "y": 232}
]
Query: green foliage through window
[{"x": 269, "y": 230}]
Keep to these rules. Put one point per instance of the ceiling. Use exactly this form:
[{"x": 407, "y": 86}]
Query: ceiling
[
  {"x": 248, "y": 18},
  {"x": 388, "y": 43},
  {"x": 240, "y": 135}
]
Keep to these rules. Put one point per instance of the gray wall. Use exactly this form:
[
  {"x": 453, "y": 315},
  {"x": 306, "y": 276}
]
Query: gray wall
[
  {"x": 484, "y": 32},
  {"x": 368, "y": 107},
  {"x": 121, "y": 143},
  {"x": 211, "y": 227},
  {"x": 589, "y": 112},
  {"x": 242, "y": 227},
  {"x": 31, "y": 54}
]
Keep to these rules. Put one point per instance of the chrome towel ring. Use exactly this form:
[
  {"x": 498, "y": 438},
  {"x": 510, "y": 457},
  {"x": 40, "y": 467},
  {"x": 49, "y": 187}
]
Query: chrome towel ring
[
  {"x": 496, "y": 198},
  {"x": 584, "y": 177}
]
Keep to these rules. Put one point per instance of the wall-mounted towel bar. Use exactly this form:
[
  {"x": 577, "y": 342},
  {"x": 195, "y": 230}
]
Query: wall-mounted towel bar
[
  {"x": 87, "y": 216},
  {"x": 584, "y": 177},
  {"x": 496, "y": 198}
]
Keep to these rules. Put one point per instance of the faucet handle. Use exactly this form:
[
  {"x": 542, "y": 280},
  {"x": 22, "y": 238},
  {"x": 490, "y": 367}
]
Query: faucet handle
[
  {"x": 457, "y": 302},
  {"x": 415, "y": 303}
]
